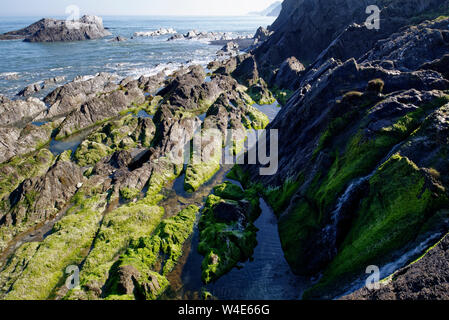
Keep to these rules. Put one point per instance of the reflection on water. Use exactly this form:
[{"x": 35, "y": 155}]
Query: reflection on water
[
  {"x": 143, "y": 114},
  {"x": 202, "y": 117},
  {"x": 271, "y": 110},
  {"x": 71, "y": 143},
  {"x": 266, "y": 277},
  {"x": 39, "y": 123}
]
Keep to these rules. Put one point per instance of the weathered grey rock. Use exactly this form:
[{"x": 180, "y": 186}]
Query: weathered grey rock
[
  {"x": 66, "y": 98},
  {"x": 296, "y": 32},
  {"x": 99, "y": 108},
  {"x": 50, "y": 30},
  {"x": 231, "y": 48},
  {"x": 40, "y": 198},
  {"x": 53, "y": 81},
  {"x": 412, "y": 47},
  {"x": 427, "y": 279},
  {"x": 17, "y": 141},
  {"x": 261, "y": 35},
  {"x": 14, "y": 111},
  {"x": 287, "y": 77},
  {"x": 30, "y": 90}
]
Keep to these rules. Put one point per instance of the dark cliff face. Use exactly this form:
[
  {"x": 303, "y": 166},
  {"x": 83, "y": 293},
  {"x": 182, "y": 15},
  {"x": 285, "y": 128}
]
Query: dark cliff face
[
  {"x": 305, "y": 28},
  {"x": 362, "y": 173}
]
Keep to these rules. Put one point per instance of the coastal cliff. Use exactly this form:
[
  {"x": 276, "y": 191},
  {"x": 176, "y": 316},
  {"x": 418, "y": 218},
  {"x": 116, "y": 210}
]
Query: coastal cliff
[{"x": 362, "y": 176}]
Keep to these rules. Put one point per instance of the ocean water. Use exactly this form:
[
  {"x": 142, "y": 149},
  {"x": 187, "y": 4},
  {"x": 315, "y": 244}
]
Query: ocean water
[{"x": 24, "y": 63}]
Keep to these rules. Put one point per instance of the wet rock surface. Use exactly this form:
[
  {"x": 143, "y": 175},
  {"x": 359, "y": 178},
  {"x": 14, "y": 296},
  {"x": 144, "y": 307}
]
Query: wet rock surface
[
  {"x": 426, "y": 279},
  {"x": 393, "y": 86}
]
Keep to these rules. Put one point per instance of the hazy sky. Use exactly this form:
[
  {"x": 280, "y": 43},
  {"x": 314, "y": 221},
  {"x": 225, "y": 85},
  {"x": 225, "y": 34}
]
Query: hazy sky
[{"x": 49, "y": 8}]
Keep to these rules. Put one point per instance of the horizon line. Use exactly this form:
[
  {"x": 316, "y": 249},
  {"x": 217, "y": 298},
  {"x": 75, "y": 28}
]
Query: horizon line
[{"x": 143, "y": 15}]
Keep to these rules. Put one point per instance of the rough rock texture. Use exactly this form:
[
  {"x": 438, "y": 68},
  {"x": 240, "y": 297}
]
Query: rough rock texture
[
  {"x": 50, "y": 30},
  {"x": 287, "y": 77},
  {"x": 297, "y": 30},
  {"x": 426, "y": 279},
  {"x": 15, "y": 111},
  {"x": 17, "y": 141},
  {"x": 100, "y": 108},
  {"x": 37, "y": 199},
  {"x": 30, "y": 90},
  {"x": 66, "y": 98},
  {"x": 350, "y": 136}
]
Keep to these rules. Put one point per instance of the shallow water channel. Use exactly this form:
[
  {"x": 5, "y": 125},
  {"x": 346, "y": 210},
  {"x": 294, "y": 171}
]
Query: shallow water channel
[{"x": 267, "y": 276}]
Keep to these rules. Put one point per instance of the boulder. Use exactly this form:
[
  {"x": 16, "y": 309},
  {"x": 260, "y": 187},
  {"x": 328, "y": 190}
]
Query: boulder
[
  {"x": 13, "y": 111},
  {"x": 30, "y": 90},
  {"x": 287, "y": 77},
  {"x": 229, "y": 211},
  {"x": 118, "y": 39}
]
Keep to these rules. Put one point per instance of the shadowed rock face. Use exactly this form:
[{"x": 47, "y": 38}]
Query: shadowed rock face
[
  {"x": 305, "y": 28},
  {"x": 427, "y": 279},
  {"x": 50, "y": 30},
  {"x": 336, "y": 142}
]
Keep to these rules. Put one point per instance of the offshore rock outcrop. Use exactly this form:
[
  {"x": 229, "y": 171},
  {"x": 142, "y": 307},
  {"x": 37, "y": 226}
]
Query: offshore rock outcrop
[{"x": 51, "y": 30}]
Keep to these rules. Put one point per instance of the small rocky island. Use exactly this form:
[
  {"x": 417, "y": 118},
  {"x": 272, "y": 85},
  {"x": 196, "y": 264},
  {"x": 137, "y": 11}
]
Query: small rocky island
[{"x": 51, "y": 30}]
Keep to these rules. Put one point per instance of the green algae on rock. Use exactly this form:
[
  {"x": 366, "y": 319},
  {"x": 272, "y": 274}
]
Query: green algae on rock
[
  {"x": 149, "y": 259},
  {"x": 227, "y": 233},
  {"x": 118, "y": 228},
  {"x": 124, "y": 133},
  {"x": 205, "y": 160},
  {"x": 47, "y": 261}
]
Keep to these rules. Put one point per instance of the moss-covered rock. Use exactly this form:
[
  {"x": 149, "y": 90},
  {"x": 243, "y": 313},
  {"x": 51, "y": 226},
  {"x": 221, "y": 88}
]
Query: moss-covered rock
[
  {"x": 227, "y": 233},
  {"x": 258, "y": 119},
  {"x": 46, "y": 262},
  {"x": 90, "y": 152},
  {"x": 393, "y": 213},
  {"x": 282, "y": 96},
  {"x": 204, "y": 163},
  {"x": 118, "y": 229},
  {"x": 129, "y": 194},
  {"x": 19, "y": 168},
  {"x": 261, "y": 94},
  {"x": 228, "y": 190},
  {"x": 149, "y": 259},
  {"x": 118, "y": 134},
  {"x": 279, "y": 197}
]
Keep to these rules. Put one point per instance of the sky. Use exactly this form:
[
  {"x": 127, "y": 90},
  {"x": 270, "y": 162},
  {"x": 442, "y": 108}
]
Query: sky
[{"x": 49, "y": 8}]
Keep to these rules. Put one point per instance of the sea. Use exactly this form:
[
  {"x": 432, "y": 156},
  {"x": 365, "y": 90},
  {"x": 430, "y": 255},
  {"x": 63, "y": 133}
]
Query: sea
[{"x": 23, "y": 63}]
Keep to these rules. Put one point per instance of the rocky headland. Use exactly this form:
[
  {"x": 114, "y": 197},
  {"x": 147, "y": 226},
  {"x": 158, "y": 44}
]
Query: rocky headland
[
  {"x": 363, "y": 169},
  {"x": 51, "y": 30}
]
